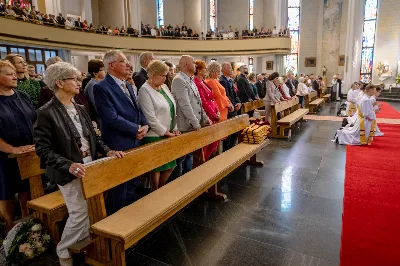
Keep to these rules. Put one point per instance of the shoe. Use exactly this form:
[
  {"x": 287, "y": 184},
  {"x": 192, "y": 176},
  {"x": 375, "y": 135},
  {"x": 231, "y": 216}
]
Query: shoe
[
  {"x": 379, "y": 134},
  {"x": 66, "y": 262}
]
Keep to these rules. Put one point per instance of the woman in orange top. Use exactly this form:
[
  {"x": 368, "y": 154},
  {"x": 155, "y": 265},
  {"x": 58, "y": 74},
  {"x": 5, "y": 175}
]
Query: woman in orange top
[{"x": 223, "y": 102}]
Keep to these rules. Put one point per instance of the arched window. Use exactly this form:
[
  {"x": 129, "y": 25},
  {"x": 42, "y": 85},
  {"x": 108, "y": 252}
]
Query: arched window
[
  {"x": 160, "y": 13},
  {"x": 213, "y": 14},
  {"x": 368, "y": 40},
  {"x": 291, "y": 62},
  {"x": 251, "y": 14}
]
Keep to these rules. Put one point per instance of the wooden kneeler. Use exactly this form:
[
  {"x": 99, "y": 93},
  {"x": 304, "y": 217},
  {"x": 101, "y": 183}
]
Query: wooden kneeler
[{"x": 108, "y": 173}]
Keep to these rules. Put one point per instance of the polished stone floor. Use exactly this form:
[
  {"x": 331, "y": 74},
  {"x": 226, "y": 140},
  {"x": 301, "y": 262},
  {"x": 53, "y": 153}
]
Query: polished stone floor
[{"x": 287, "y": 212}]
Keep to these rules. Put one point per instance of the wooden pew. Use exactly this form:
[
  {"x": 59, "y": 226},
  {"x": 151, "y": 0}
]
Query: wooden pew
[
  {"x": 315, "y": 104},
  {"x": 251, "y": 106},
  {"x": 309, "y": 98},
  {"x": 290, "y": 114},
  {"x": 326, "y": 97},
  {"x": 50, "y": 208},
  {"x": 126, "y": 227}
]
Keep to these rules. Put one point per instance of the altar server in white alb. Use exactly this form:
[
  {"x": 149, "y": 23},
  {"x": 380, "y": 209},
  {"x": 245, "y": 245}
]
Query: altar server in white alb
[
  {"x": 361, "y": 132},
  {"x": 377, "y": 108},
  {"x": 351, "y": 99}
]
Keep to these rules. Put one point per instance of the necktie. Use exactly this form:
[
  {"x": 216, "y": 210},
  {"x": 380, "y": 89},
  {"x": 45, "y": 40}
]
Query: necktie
[{"x": 125, "y": 90}]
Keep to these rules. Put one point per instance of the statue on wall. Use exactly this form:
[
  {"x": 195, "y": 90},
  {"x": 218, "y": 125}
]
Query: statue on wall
[
  {"x": 384, "y": 71},
  {"x": 324, "y": 70}
]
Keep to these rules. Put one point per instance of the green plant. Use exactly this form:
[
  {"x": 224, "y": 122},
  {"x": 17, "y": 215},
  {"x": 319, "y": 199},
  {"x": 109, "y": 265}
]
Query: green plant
[{"x": 398, "y": 79}]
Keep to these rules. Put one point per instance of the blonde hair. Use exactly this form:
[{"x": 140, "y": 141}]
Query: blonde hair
[
  {"x": 53, "y": 60},
  {"x": 156, "y": 67},
  {"x": 214, "y": 67},
  {"x": 6, "y": 63}
]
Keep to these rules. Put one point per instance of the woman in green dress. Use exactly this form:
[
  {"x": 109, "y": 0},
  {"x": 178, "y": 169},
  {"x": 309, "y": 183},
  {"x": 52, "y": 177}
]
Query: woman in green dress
[{"x": 159, "y": 108}]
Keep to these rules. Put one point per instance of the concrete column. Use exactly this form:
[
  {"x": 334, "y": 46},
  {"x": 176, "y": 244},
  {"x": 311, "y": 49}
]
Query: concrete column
[
  {"x": 353, "y": 43},
  {"x": 281, "y": 14},
  {"x": 205, "y": 16},
  {"x": 87, "y": 11},
  {"x": 134, "y": 14},
  {"x": 134, "y": 59},
  {"x": 112, "y": 13}
]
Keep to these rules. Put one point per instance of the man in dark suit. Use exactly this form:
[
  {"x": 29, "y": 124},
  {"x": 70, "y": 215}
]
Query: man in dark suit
[
  {"x": 123, "y": 124},
  {"x": 130, "y": 30},
  {"x": 291, "y": 83},
  {"x": 315, "y": 85},
  {"x": 227, "y": 82},
  {"x": 140, "y": 78},
  {"x": 60, "y": 19},
  {"x": 245, "y": 89},
  {"x": 261, "y": 85},
  {"x": 78, "y": 24}
]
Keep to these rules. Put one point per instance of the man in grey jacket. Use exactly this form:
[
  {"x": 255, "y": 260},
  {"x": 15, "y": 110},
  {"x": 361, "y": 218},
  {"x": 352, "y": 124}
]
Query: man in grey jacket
[{"x": 189, "y": 110}]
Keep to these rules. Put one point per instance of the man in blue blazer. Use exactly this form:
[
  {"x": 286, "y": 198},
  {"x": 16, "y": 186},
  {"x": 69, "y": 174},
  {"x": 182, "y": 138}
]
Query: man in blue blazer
[{"x": 123, "y": 124}]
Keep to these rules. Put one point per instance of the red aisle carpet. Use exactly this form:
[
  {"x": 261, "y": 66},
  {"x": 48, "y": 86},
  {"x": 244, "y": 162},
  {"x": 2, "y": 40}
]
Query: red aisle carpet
[
  {"x": 387, "y": 111},
  {"x": 371, "y": 205}
]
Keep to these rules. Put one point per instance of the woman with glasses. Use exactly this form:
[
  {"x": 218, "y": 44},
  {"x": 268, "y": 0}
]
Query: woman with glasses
[
  {"x": 17, "y": 115},
  {"x": 159, "y": 108},
  {"x": 65, "y": 140},
  {"x": 29, "y": 86}
]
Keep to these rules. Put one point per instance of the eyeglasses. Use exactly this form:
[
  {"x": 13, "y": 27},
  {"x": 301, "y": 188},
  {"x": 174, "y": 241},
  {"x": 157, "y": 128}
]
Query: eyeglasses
[
  {"x": 74, "y": 79},
  {"x": 122, "y": 61}
]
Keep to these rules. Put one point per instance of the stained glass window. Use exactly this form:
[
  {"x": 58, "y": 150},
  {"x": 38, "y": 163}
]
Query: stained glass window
[
  {"x": 251, "y": 65},
  {"x": 368, "y": 40},
  {"x": 160, "y": 13},
  {"x": 251, "y": 14},
  {"x": 213, "y": 14},
  {"x": 291, "y": 61}
]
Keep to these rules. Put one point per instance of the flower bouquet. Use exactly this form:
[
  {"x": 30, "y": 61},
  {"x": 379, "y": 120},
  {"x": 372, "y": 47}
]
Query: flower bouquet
[{"x": 25, "y": 241}]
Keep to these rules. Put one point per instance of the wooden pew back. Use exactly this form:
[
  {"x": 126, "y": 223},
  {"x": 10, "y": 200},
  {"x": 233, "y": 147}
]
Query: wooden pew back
[
  {"x": 309, "y": 98},
  {"x": 284, "y": 108},
  {"x": 251, "y": 106}
]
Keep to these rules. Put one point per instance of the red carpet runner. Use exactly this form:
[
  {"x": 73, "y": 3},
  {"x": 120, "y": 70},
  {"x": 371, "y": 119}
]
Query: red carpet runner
[
  {"x": 387, "y": 111},
  {"x": 371, "y": 205}
]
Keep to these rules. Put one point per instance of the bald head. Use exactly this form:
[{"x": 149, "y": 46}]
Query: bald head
[
  {"x": 260, "y": 77},
  {"x": 186, "y": 64}
]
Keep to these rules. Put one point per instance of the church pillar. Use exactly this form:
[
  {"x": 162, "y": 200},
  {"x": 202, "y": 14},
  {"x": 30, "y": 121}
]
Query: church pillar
[
  {"x": 353, "y": 42},
  {"x": 281, "y": 14},
  {"x": 134, "y": 14},
  {"x": 112, "y": 13},
  {"x": 205, "y": 16},
  {"x": 134, "y": 59}
]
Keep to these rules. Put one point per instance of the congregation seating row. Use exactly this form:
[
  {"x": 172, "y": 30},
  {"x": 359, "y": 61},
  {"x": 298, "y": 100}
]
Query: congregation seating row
[
  {"x": 123, "y": 229},
  {"x": 127, "y": 226}
]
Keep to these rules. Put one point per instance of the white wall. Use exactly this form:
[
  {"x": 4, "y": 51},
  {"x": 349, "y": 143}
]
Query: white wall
[
  {"x": 269, "y": 16},
  {"x": 80, "y": 62},
  {"x": 233, "y": 13},
  {"x": 174, "y": 12},
  {"x": 258, "y": 14},
  {"x": 148, "y": 12},
  {"x": 387, "y": 44}
]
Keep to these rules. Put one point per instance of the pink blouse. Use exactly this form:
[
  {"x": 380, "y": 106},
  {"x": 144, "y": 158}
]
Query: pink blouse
[{"x": 207, "y": 99}]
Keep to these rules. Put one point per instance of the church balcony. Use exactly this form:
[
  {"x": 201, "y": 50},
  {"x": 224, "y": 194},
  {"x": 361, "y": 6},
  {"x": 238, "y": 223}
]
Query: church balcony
[{"x": 26, "y": 33}]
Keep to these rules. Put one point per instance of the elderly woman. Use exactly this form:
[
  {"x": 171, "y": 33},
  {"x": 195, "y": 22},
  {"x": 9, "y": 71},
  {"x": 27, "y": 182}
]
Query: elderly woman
[
  {"x": 270, "y": 96},
  {"x": 65, "y": 140},
  {"x": 302, "y": 90},
  {"x": 29, "y": 86},
  {"x": 252, "y": 80},
  {"x": 208, "y": 102},
  {"x": 159, "y": 108},
  {"x": 17, "y": 115},
  {"x": 223, "y": 102},
  {"x": 282, "y": 90}
]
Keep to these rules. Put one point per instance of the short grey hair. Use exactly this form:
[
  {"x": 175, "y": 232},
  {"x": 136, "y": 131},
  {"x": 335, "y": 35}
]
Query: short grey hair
[
  {"x": 214, "y": 66},
  {"x": 143, "y": 56},
  {"x": 289, "y": 72},
  {"x": 302, "y": 79},
  {"x": 59, "y": 71},
  {"x": 226, "y": 64},
  {"x": 53, "y": 60},
  {"x": 109, "y": 57}
]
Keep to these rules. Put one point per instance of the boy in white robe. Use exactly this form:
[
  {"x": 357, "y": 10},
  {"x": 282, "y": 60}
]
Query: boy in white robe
[
  {"x": 377, "y": 108},
  {"x": 359, "y": 132},
  {"x": 351, "y": 106}
]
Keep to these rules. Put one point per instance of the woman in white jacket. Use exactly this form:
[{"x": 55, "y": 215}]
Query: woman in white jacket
[
  {"x": 302, "y": 91},
  {"x": 159, "y": 108}
]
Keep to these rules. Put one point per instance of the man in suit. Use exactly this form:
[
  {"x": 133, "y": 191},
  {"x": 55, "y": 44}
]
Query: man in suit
[
  {"x": 291, "y": 83},
  {"x": 261, "y": 86},
  {"x": 315, "y": 85},
  {"x": 130, "y": 30},
  {"x": 245, "y": 89},
  {"x": 227, "y": 82},
  {"x": 140, "y": 78},
  {"x": 189, "y": 110},
  {"x": 60, "y": 19},
  {"x": 78, "y": 24},
  {"x": 123, "y": 124}
]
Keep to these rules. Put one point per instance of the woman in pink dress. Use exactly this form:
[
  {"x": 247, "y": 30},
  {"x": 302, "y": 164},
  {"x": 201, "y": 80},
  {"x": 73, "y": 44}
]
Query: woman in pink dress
[{"x": 208, "y": 102}]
